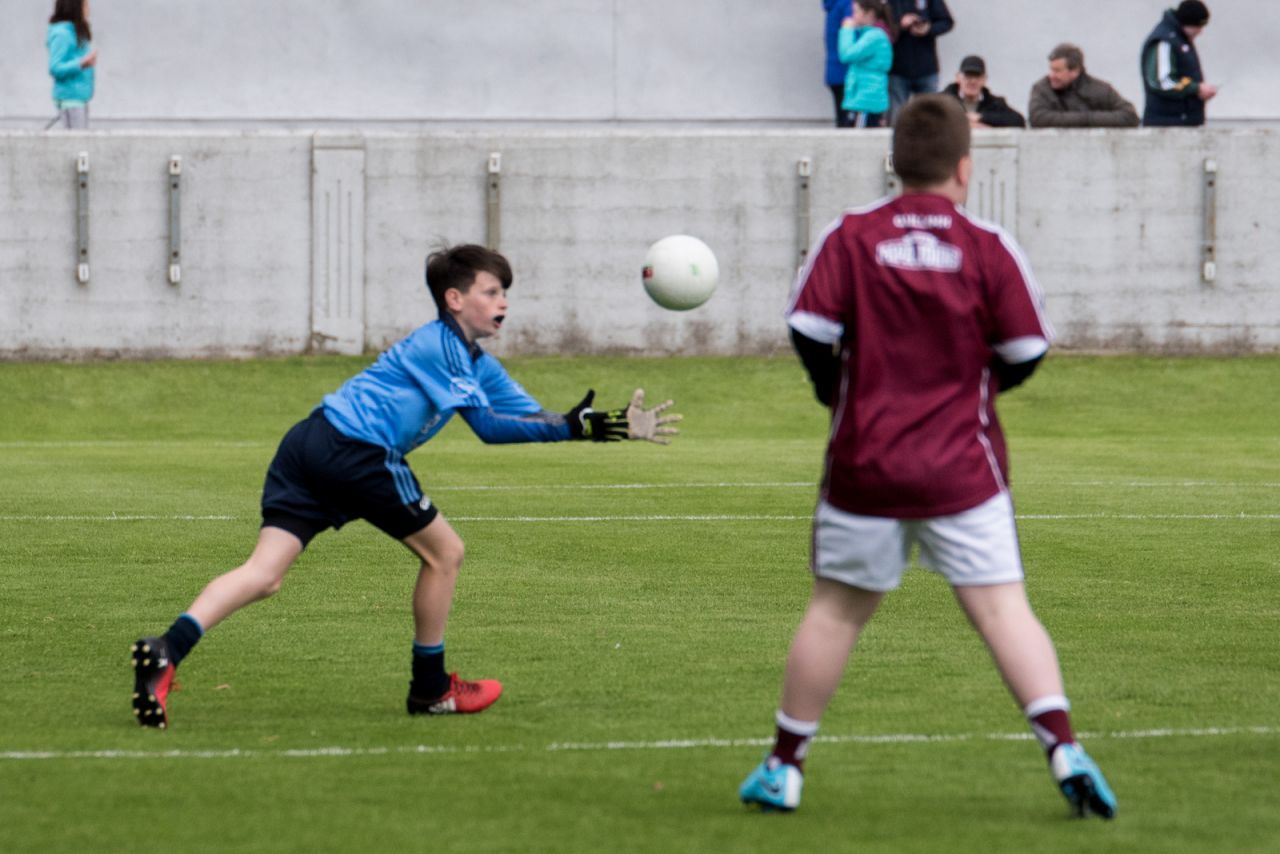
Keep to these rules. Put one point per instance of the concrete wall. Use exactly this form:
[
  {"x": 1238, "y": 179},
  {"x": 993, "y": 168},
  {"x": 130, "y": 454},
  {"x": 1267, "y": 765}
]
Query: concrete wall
[
  {"x": 240, "y": 61},
  {"x": 246, "y": 247},
  {"x": 295, "y": 241}
]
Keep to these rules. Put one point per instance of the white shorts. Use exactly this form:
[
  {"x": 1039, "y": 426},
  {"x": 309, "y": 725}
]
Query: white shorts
[{"x": 975, "y": 547}]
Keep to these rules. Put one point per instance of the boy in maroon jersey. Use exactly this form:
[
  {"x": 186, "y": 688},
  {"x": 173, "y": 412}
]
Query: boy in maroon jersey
[{"x": 910, "y": 316}]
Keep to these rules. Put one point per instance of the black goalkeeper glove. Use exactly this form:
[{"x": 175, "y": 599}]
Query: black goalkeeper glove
[{"x": 585, "y": 423}]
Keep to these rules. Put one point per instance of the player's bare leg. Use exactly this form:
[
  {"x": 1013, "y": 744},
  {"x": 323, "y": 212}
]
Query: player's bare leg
[
  {"x": 1018, "y": 642},
  {"x": 1026, "y": 659},
  {"x": 441, "y": 551},
  {"x": 822, "y": 644},
  {"x": 819, "y": 654},
  {"x": 155, "y": 659},
  {"x": 433, "y": 691},
  {"x": 257, "y": 578}
]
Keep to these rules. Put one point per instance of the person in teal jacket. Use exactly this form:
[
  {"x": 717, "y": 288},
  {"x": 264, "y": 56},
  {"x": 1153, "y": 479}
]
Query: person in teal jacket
[
  {"x": 866, "y": 46},
  {"x": 72, "y": 58}
]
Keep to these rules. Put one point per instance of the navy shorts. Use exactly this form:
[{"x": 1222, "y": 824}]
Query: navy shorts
[{"x": 322, "y": 479}]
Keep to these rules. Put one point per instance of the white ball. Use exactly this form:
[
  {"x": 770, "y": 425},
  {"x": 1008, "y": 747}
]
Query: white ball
[{"x": 680, "y": 272}]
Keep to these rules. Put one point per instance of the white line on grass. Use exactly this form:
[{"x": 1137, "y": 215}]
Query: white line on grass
[
  {"x": 118, "y": 518},
  {"x": 724, "y": 517},
  {"x": 575, "y": 487},
  {"x": 603, "y": 746},
  {"x": 133, "y": 443}
]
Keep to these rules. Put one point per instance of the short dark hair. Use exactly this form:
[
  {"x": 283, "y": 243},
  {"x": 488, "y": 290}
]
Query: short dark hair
[
  {"x": 72, "y": 11},
  {"x": 1072, "y": 54},
  {"x": 1192, "y": 13},
  {"x": 456, "y": 267},
  {"x": 930, "y": 138}
]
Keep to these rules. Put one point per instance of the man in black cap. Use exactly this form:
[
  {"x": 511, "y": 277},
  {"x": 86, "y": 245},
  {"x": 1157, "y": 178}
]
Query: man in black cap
[
  {"x": 1176, "y": 91},
  {"x": 984, "y": 109}
]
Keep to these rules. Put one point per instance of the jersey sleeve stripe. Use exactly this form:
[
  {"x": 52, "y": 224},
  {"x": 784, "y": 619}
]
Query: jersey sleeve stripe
[
  {"x": 815, "y": 326},
  {"x": 1024, "y": 268},
  {"x": 809, "y": 260},
  {"x": 1015, "y": 351}
]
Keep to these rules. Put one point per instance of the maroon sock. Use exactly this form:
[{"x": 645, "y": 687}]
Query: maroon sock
[
  {"x": 790, "y": 747},
  {"x": 1052, "y": 727}
]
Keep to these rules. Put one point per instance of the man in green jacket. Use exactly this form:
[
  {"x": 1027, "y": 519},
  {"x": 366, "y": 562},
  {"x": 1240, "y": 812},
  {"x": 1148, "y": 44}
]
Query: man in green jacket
[{"x": 1069, "y": 98}]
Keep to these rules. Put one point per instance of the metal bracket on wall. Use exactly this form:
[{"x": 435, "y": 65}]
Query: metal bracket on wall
[
  {"x": 82, "y": 218},
  {"x": 175, "y": 219},
  {"x": 804, "y": 171},
  {"x": 892, "y": 183},
  {"x": 1208, "y": 246},
  {"x": 493, "y": 202}
]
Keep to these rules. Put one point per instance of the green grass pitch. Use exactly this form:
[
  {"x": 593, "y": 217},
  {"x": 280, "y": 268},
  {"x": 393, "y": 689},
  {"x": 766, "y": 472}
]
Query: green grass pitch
[{"x": 638, "y": 602}]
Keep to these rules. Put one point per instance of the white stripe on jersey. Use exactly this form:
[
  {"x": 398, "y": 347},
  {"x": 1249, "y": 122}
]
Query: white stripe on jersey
[
  {"x": 817, "y": 327},
  {"x": 982, "y": 432},
  {"x": 1024, "y": 267},
  {"x": 817, "y": 247},
  {"x": 1015, "y": 351}
]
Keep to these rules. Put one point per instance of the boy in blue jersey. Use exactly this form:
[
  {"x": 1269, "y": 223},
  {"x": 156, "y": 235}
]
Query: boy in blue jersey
[{"x": 346, "y": 461}]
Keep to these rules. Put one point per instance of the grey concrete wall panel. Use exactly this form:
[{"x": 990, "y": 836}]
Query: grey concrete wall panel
[
  {"x": 580, "y": 209},
  {"x": 993, "y": 184},
  {"x": 1111, "y": 220},
  {"x": 598, "y": 60},
  {"x": 246, "y": 246},
  {"x": 1112, "y": 223},
  {"x": 337, "y": 244}
]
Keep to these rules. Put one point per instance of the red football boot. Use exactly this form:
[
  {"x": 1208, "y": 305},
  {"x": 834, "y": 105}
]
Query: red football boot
[
  {"x": 152, "y": 678},
  {"x": 462, "y": 698}
]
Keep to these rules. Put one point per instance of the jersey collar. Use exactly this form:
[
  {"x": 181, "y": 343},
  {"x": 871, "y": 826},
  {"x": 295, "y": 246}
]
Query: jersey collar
[{"x": 452, "y": 325}]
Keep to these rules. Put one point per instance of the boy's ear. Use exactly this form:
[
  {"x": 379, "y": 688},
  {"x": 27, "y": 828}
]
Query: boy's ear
[{"x": 453, "y": 299}]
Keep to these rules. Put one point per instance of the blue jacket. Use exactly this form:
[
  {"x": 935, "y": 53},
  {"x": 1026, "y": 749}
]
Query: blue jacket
[
  {"x": 1171, "y": 76},
  {"x": 837, "y": 11},
  {"x": 869, "y": 54},
  {"x": 70, "y": 81}
]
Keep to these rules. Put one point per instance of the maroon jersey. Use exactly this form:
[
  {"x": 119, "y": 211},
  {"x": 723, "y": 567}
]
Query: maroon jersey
[{"x": 921, "y": 297}]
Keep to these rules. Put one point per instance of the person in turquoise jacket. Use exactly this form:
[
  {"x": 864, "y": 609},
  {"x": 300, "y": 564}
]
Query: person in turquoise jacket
[
  {"x": 72, "y": 58},
  {"x": 866, "y": 46}
]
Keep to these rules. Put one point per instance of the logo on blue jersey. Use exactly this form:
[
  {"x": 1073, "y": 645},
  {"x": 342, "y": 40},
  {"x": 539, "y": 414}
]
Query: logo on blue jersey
[{"x": 461, "y": 387}]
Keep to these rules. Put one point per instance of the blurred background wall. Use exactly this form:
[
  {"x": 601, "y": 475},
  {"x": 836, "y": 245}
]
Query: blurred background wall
[{"x": 363, "y": 61}]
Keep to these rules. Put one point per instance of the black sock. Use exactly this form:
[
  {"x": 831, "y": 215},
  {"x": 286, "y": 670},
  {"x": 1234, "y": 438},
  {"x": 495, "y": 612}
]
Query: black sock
[
  {"x": 429, "y": 678},
  {"x": 185, "y": 633}
]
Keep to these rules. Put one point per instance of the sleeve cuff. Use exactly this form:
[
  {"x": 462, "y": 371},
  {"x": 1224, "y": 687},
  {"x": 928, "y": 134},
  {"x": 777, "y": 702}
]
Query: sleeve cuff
[
  {"x": 816, "y": 327},
  {"x": 1024, "y": 349}
]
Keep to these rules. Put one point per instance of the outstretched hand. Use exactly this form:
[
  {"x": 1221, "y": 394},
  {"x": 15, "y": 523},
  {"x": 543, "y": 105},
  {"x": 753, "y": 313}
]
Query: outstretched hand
[{"x": 650, "y": 424}]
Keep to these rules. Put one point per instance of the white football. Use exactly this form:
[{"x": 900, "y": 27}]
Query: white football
[{"x": 680, "y": 272}]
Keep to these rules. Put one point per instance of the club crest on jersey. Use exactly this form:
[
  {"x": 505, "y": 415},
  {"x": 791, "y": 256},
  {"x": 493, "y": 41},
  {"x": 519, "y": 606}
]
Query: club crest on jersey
[
  {"x": 919, "y": 250},
  {"x": 461, "y": 387}
]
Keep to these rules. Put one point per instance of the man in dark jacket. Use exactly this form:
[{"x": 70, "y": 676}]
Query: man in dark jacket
[
  {"x": 984, "y": 109},
  {"x": 1069, "y": 98},
  {"x": 915, "y": 53},
  {"x": 837, "y": 11},
  {"x": 1171, "y": 75}
]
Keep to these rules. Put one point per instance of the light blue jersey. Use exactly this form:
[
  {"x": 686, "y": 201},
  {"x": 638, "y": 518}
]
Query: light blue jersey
[{"x": 414, "y": 388}]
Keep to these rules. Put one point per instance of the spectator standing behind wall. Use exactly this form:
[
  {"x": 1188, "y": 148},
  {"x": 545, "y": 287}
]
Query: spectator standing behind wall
[
  {"x": 1068, "y": 97},
  {"x": 837, "y": 11},
  {"x": 984, "y": 109},
  {"x": 71, "y": 62},
  {"x": 915, "y": 52},
  {"x": 866, "y": 45},
  {"x": 1171, "y": 75}
]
